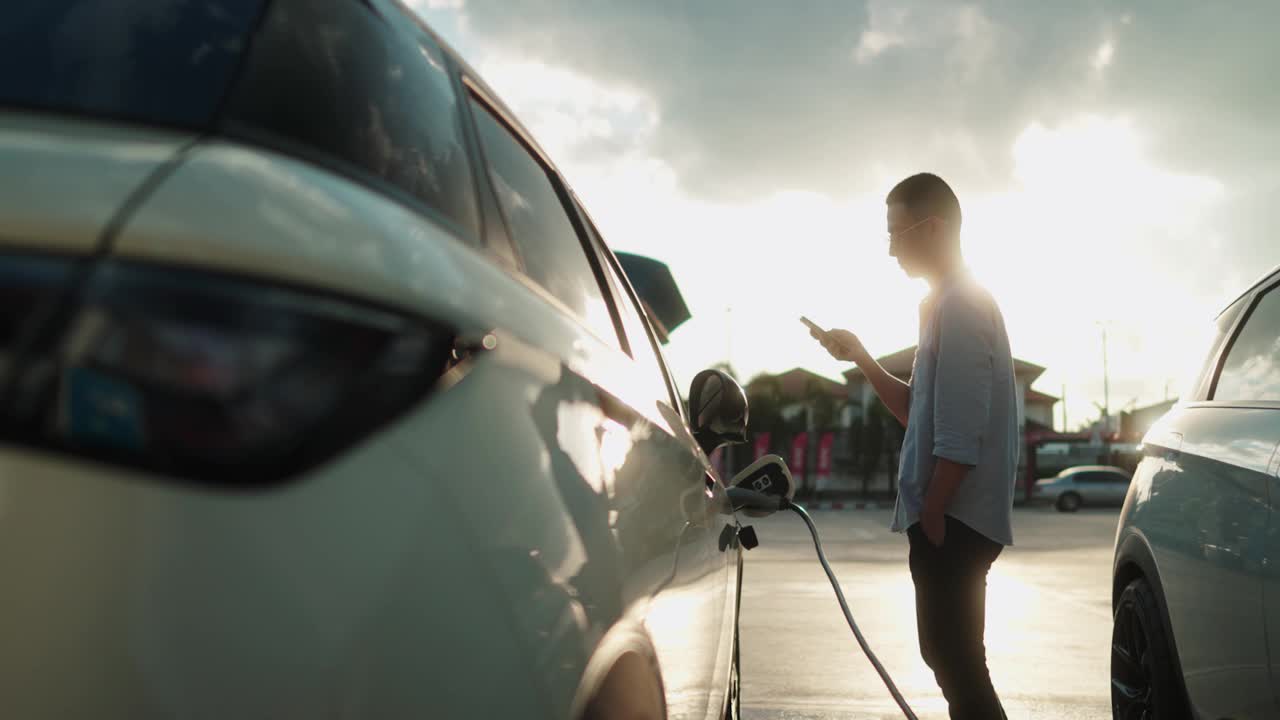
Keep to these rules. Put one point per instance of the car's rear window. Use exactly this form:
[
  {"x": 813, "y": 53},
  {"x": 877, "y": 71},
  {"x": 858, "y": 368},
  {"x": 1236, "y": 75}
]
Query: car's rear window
[
  {"x": 167, "y": 62},
  {"x": 362, "y": 87},
  {"x": 358, "y": 85}
]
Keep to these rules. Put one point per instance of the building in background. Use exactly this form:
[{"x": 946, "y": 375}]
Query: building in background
[
  {"x": 840, "y": 438},
  {"x": 1135, "y": 423},
  {"x": 802, "y": 416},
  {"x": 801, "y": 392},
  {"x": 1033, "y": 406}
]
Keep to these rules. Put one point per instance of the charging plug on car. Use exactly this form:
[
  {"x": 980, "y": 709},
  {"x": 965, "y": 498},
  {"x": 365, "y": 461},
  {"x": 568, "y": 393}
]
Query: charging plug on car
[
  {"x": 763, "y": 488},
  {"x": 766, "y": 487}
]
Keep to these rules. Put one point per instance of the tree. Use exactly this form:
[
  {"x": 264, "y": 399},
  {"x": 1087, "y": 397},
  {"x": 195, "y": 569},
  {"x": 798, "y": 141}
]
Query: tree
[
  {"x": 764, "y": 407},
  {"x": 871, "y": 444},
  {"x": 728, "y": 370},
  {"x": 821, "y": 403}
]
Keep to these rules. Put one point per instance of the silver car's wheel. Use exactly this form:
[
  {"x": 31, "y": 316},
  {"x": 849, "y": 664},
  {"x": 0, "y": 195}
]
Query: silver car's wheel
[
  {"x": 1143, "y": 682},
  {"x": 1069, "y": 502}
]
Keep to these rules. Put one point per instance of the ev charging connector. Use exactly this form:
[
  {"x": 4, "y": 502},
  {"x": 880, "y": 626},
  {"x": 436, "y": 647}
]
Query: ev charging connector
[{"x": 766, "y": 487}]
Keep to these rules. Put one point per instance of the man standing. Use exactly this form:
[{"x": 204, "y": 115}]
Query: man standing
[{"x": 960, "y": 452}]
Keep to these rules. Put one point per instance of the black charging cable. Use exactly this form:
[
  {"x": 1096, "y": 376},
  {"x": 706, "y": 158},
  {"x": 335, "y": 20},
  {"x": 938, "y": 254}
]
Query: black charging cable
[
  {"x": 875, "y": 662},
  {"x": 759, "y": 504}
]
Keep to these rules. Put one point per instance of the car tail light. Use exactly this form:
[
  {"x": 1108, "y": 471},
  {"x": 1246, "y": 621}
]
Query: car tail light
[{"x": 225, "y": 379}]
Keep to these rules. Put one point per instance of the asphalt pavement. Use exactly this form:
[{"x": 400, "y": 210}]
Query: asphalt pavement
[{"x": 1048, "y": 619}]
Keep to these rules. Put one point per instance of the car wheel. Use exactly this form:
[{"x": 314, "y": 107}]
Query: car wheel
[
  {"x": 1068, "y": 502},
  {"x": 1143, "y": 682}
]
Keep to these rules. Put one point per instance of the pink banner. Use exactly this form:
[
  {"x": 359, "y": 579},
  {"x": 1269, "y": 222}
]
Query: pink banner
[
  {"x": 799, "y": 450},
  {"x": 824, "y": 455},
  {"x": 762, "y": 445}
]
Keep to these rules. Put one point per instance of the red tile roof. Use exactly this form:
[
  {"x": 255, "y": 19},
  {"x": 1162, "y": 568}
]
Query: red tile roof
[{"x": 794, "y": 383}]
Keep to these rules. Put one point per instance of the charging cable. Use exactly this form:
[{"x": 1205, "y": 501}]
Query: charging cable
[
  {"x": 875, "y": 661},
  {"x": 759, "y": 504}
]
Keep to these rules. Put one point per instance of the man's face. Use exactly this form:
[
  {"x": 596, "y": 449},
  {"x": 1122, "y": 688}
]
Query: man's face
[{"x": 910, "y": 240}]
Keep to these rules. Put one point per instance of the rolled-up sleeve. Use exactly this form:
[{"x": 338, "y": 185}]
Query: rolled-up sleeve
[{"x": 962, "y": 385}]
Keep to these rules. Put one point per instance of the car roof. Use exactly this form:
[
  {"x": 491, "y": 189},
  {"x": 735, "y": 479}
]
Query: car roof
[{"x": 1267, "y": 276}]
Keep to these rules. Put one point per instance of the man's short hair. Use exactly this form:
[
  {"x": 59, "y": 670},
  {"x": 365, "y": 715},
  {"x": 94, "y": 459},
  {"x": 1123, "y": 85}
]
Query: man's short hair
[{"x": 927, "y": 194}]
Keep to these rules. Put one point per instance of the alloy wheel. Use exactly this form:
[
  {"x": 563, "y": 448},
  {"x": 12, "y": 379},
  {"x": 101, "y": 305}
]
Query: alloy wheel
[{"x": 1132, "y": 669}]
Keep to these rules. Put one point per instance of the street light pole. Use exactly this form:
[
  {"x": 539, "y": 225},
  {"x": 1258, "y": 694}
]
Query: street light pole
[
  {"x": 728, "y": 337},
  {"x": 1106, "y": 383},
  {"x": 1106, "y": 386},
  {"x": 1064, "y": 408}
]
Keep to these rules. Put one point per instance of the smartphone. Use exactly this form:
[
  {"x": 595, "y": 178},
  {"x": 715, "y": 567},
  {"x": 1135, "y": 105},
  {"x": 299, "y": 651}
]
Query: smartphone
[{"x": 812, "y": 325}]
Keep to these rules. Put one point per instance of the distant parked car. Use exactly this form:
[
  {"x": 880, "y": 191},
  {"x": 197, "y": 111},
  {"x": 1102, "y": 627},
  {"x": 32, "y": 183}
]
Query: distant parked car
[
  {"x": 1195, "y": 591},
  {"x": 1083, "y": 485}
]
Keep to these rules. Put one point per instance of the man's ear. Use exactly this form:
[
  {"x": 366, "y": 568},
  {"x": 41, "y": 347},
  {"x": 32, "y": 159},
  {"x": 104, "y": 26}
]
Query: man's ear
[{"x": 937, "y": 228}]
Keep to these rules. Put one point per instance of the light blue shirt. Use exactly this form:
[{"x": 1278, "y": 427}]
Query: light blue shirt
[{"x": 964, "y": 408}]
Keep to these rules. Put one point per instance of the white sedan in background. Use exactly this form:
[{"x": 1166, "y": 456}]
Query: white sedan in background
[{"x": 1097, "y": 485}]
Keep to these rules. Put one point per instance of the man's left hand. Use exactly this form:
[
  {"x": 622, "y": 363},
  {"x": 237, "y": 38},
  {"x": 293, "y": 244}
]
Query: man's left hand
[{"x": 935, "y": 527}]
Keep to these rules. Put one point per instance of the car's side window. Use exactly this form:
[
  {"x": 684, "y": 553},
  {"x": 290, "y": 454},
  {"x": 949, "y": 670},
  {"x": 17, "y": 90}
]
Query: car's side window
[
  {"x": 363, "y": 89},
  {"x": 554, "y": 255},
  {"x": 639, "y": 336},
  {"x": 1251, "y": 370},
  {"x": 1197, "y": 386}
]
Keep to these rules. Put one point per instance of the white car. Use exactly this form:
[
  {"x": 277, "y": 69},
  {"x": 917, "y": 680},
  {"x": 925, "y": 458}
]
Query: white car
[
  {"x": 321, "y": 394},
  {"x": 1093, "y": 485}
]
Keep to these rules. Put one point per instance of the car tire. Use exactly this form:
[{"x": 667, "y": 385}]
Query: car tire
[
  {"x": 1068, "y": 502},
  {"x": 1144, "y": 683}
]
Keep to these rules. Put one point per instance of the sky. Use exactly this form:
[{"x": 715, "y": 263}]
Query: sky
[{"x": 1116, "y": 163}]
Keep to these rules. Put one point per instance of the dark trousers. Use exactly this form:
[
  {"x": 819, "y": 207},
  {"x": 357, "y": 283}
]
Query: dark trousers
[{"x": 951, "y": 594}]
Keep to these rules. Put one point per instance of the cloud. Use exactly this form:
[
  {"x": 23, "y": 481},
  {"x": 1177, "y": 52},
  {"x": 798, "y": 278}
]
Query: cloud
[
  {"x": 873, "y": 43},
  {"x": 802, "y": 96},
  {"x": 1120, "y": 161},
  {"x": 886, "y": 28},
  {"x": 577, "y": 119},
  {"x": 1102, "y": 57}
]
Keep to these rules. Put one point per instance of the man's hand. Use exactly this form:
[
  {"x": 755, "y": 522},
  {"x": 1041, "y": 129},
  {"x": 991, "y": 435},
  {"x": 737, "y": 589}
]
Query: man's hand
[
  {"x": 934, "y": 525},
  {"x": 947, "y": 476},
  {"x": 842, "y": 344}
]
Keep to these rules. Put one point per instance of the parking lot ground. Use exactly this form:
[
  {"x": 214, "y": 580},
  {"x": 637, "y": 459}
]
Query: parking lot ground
[{"x": 1048, "y": 619}]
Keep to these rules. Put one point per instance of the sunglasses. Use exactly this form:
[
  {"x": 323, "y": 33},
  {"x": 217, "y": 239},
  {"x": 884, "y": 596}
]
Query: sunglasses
[{"x": 897, "y": 236}]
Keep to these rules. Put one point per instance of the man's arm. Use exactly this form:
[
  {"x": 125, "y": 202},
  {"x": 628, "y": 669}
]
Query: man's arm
[
  {"x": 895, "y": 394},
  {"x": 947, "y": 476}
]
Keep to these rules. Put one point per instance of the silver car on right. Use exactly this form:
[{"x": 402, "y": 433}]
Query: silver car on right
[{"x": 1196, "y": 579}]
